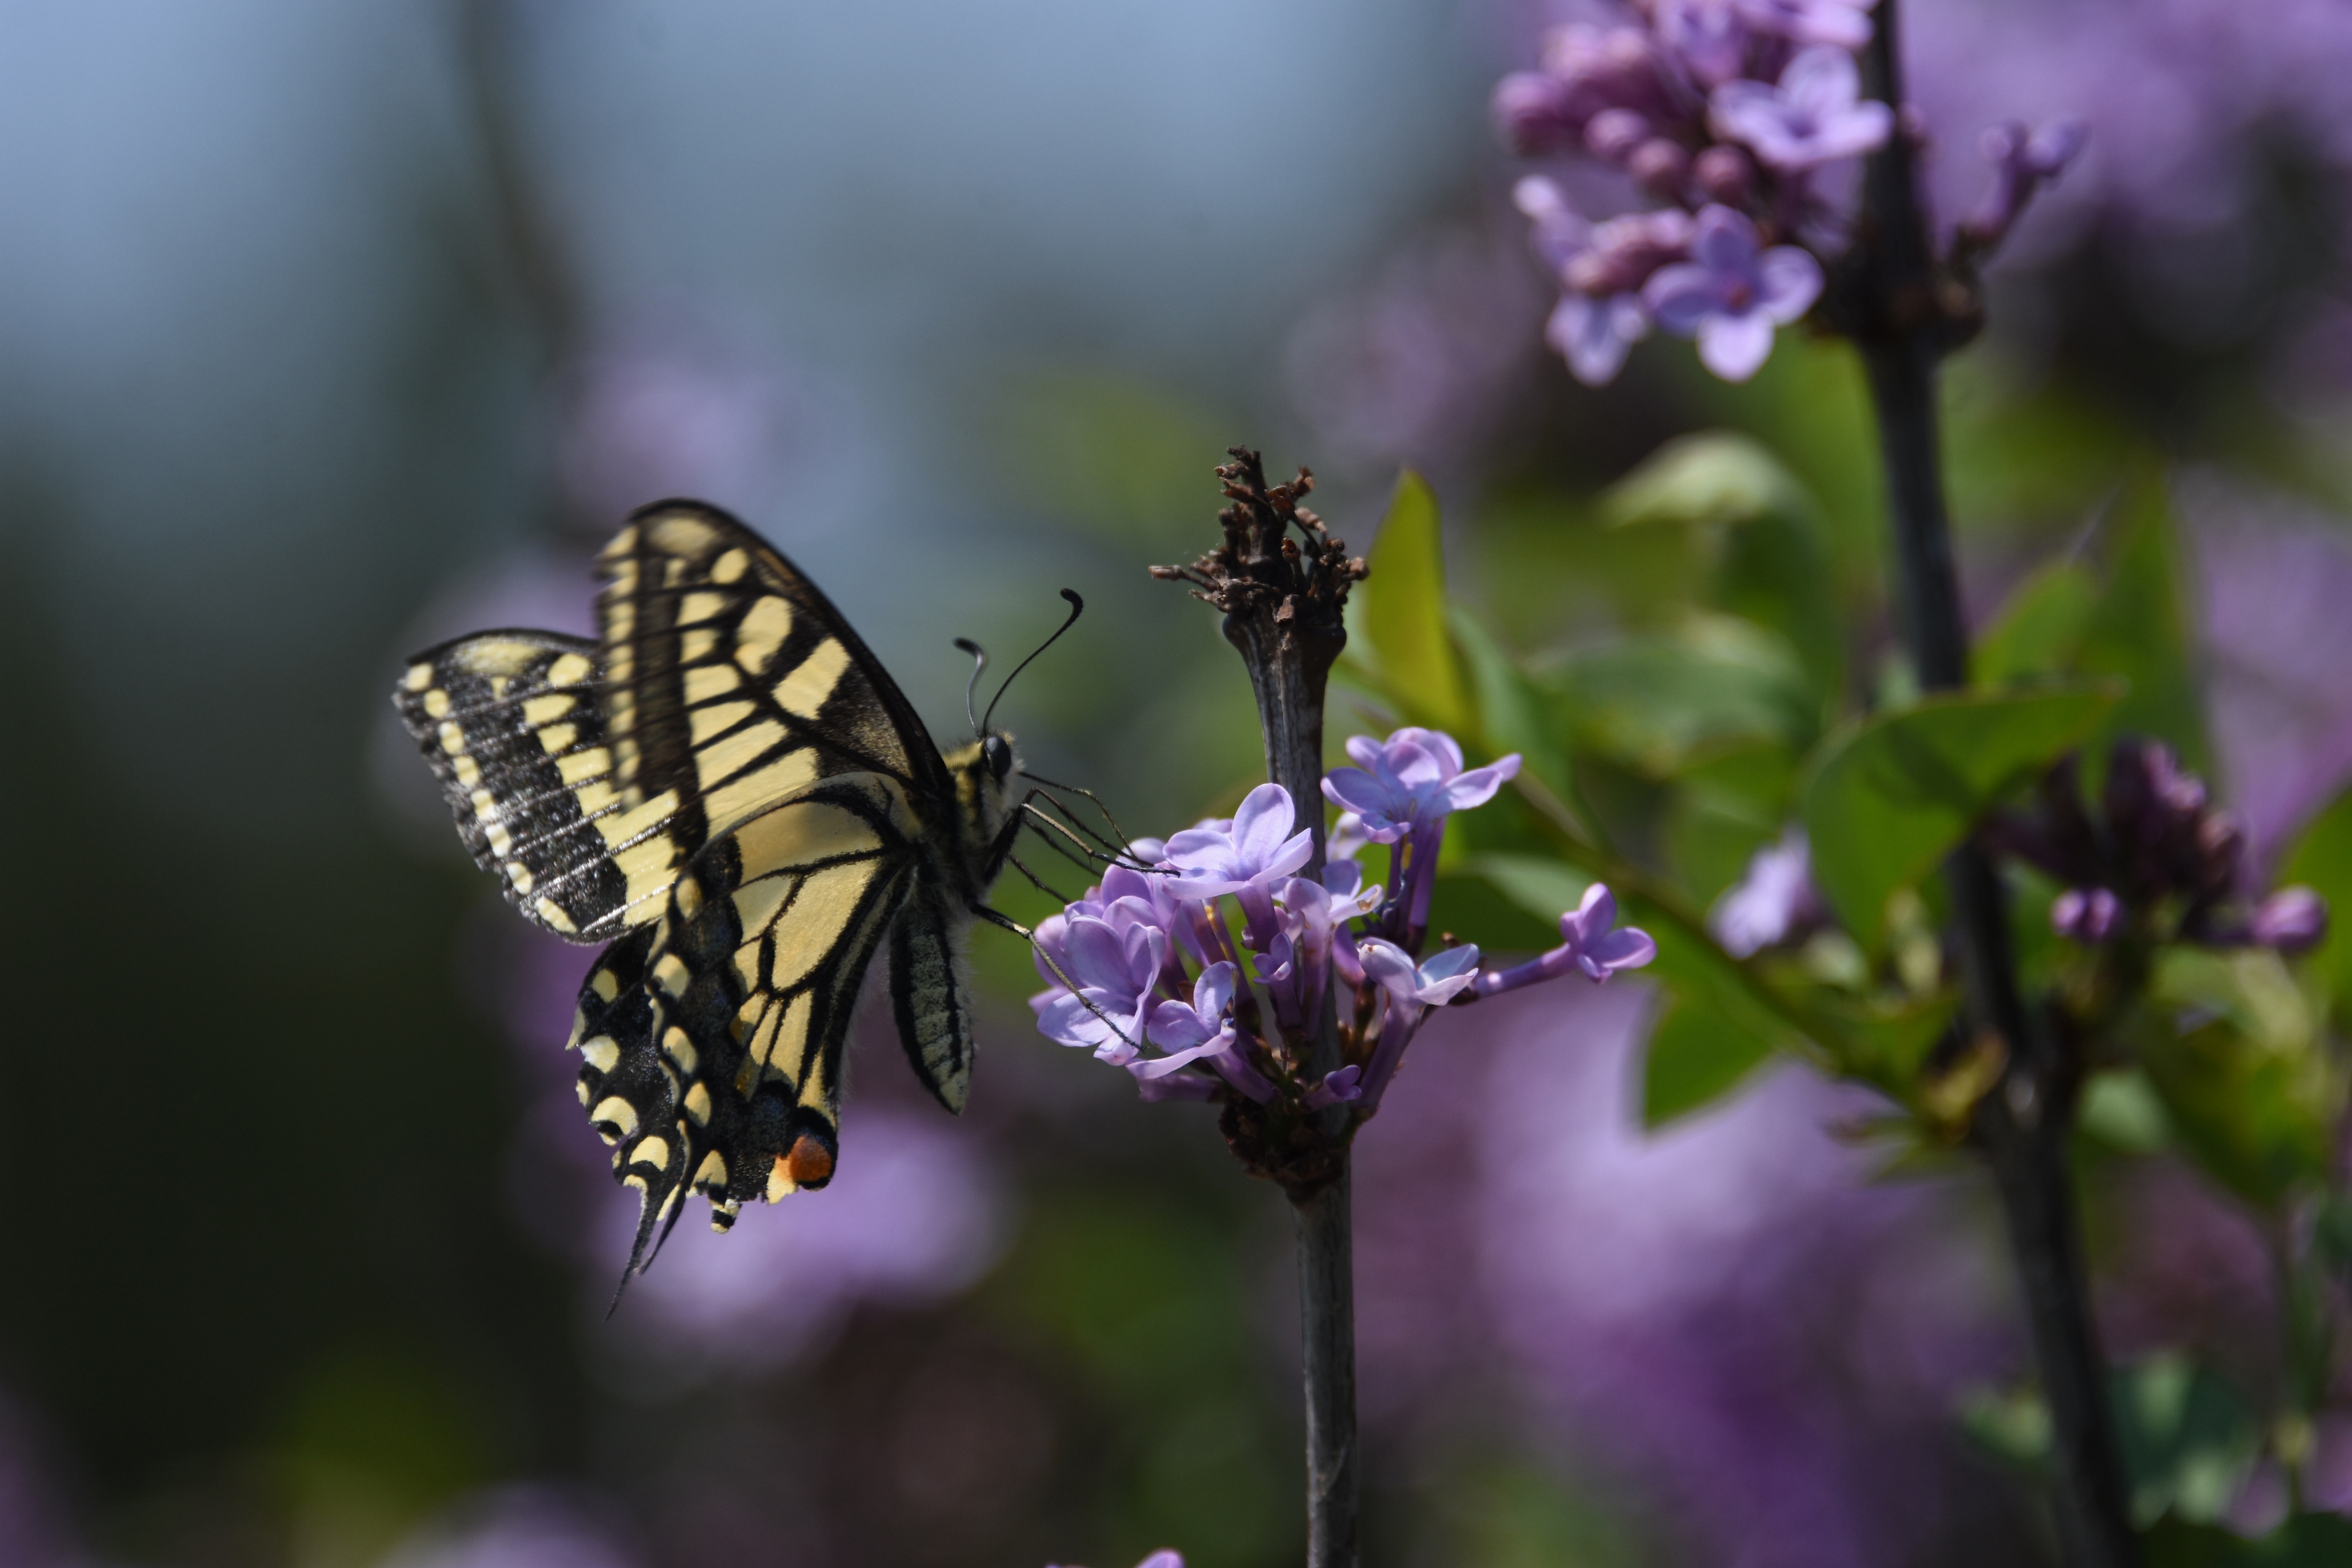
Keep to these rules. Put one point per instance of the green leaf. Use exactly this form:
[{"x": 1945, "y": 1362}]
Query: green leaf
[
  {"x": 1513, "y": 716},
  {"x": 2305, "y": 1541},
  {"x": 2041, "y": 628},
  {"x": 1665, "y": 703},
  {"x": 1887, "y": 799},
  {"x": 1761, "y": 528},
  {"x": 2188, "y": 1440},
  {"x": 2322, "y": 860},
  {"x": 1696, "y": 1056},
  {"x": 1404, "y": 610},
  {"x": 2235, "y": 1049},
  {"x": 1713, "y": 478},
  {"x": 2141, "y": 630}
]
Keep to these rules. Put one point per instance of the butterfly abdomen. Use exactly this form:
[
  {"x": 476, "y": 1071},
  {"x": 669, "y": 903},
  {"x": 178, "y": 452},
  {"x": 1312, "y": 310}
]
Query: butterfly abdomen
[{"x": 932, "y": 997}]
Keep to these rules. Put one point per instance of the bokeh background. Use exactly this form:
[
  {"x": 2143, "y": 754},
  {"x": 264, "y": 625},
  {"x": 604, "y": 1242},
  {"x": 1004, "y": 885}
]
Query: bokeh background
[{"x": 329, "y": 332}]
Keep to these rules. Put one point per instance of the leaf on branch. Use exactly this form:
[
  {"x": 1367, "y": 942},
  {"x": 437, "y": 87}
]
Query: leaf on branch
[
  {"x": 1887, "y": 798},
  {"x": 1402, "y": 612}
]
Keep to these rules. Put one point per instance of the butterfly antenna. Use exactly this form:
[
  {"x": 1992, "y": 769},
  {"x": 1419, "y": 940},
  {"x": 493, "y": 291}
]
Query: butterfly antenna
[
  {"x": 1077, "y": 608},
  {"x": 979, "y": 662}
]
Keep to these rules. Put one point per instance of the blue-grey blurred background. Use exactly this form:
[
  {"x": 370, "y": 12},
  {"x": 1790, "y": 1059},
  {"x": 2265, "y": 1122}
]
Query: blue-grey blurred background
[{"x": 329, "y": 332}]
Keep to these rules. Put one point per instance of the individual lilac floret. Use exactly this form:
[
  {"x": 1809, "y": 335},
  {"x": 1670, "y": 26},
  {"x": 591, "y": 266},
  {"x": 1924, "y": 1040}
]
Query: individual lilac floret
[
  {"x": 1408, "y": 991},
  {"x": 2091, "y": 915},
  {"x": 1410, "y": 781},
  {"x": 1115, "y": 972},
  {"x": 2022, "y": 162},
  {"x": 1402, "y": 790},
  {"x": 1707, "y": 36},
  {"x": 1732, "y": 293},
  {"x": 1843, "y": 22},
  {"x": 1257, "y": 850},
  {"x": 1591, "y": 944},
  {"x": 2293, "y": 920},
  {"x": 1775, "y": 903},
  {"x": 1815, "y": 116}
]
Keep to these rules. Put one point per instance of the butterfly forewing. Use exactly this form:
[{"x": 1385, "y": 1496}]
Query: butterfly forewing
[{"x": 512, "y": 723}]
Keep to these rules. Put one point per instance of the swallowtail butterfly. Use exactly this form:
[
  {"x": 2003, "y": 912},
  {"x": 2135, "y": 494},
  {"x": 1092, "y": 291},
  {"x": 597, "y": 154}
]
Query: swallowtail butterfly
[{"x": 728, "y": 790}]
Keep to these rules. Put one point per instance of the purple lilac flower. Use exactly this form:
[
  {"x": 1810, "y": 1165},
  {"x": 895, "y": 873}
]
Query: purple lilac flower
[
  {"x": 1589, "y": 945},
  {"x": 1408, "y": 991},
  {"x": 2293, "y": 920},
  {"x": 2091, "y": 915},
  {"x": 1600, "y": 317},
  {"x": 1115, "y": 973},
  {"x": 1402, "y": 790},
  {"x": 1732, "y": 293},
  {"x": 514, "y": 1527},
  {"x": 1189, "y": 1031},
  {"x": 1844, "y": 24},
  {"x": 1707, "y": 37},
  {"x": 1815, "y": 116},
  {"x": 1118, "y": 962},
  {"x": 2023, "y": 162},
  {"x": 1774, "y": 902},
  {"x": 1166, "y": 1557}
]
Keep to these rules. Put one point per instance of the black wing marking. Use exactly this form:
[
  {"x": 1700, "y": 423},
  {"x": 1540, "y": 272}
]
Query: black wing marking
[
  {"x": 930, "y": 999},
  {"x": 735, "y": 681},
  {"x": 512, "y": 723},
  {"x": 751, "y": 983}
]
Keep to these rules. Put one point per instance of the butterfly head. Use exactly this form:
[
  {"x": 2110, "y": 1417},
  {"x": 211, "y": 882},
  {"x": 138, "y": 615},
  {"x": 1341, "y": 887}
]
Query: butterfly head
[{"x": 983, "y": 772}]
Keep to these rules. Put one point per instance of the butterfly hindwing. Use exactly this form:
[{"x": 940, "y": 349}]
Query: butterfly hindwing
[
  {"x": 754, "y": 977},
  {"x": 512, "y": 723}
]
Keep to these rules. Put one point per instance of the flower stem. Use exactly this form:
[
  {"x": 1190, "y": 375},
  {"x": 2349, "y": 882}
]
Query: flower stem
[
  {"x": 1327, "y": 1310},
  {"x": 1889, "y": 299},
  {"x": 1284, "y": 600}
]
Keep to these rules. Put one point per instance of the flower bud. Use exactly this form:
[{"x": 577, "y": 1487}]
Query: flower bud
[
  {"x": 1725, "y": 174},
  {"x": 2293, "y": 920},
  {"x": 1660, "y": 166},
  {"x": 2087, "y": 914},
  {"x": 1535, "y": 113},
  {"x": 1614, "y": 134}
]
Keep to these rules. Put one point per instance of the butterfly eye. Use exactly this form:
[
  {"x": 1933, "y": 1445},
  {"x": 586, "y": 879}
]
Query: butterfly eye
[{"x": 998, "y": 753}]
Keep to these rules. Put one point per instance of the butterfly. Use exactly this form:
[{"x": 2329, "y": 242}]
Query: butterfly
[{"x": 728, "y": 790}]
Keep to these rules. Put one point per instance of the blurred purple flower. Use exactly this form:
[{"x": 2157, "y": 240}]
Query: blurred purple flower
[
  {"x": 1167, "y": 1557},
  {"x": 1595, "y": 335},
  {"x": 653, "y": 416},
  {"x": 1774, "y": 902},
  {"x": 1752, "y": 1341},
  {"x": 2091, "y": 915},
  {"x": 2293, "y": 920},
  {"x": 1707, "y": 36},
  {"x": 514, "y": 1527},
  {"x": 1814, "y": 116},
  {"x": 32, "y": 1528},
  {"x": 913, "y": 1216},
  {"x": 1731, "y": 295},
  {"x": 1844, "y": 24},
  {"x": 2274, "y": 575}
]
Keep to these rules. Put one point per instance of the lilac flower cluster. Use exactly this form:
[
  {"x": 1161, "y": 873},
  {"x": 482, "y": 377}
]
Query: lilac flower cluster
[
  {"x": 2160, "y": 859},
  {"x": 1742, "y": 116},
  {"x": 1149, "y": 973}
]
